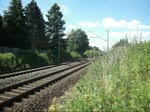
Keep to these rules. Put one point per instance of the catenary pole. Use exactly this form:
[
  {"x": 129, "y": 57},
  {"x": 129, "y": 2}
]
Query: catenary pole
[{"x": 107, "y": 40}]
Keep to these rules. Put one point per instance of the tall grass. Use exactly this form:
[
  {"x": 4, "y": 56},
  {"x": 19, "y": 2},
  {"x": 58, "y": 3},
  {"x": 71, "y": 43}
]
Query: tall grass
[{"x": 117, "y": 83}]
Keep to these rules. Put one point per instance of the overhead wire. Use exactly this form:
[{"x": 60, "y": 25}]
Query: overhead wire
[{"x": 70, "y": 20}]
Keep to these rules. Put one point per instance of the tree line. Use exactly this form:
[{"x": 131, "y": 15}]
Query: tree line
[{"x": 25, "y": 28}]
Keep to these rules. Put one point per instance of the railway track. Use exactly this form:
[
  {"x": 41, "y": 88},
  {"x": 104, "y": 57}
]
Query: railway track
[
  {"x": 11, "y": 74},
  {"x": 15, "y": 93}
]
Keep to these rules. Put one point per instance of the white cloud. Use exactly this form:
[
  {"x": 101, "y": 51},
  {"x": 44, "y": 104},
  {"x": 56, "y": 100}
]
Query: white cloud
[
  {"x": 65, "y": 8},
  {"x": 72, "y": 27},
  {"x": 146, "y": 35},
  {"x": 88, "y": 24},
  {"x": 116, "y": 34},
  {"x": 133, "y": 24}
]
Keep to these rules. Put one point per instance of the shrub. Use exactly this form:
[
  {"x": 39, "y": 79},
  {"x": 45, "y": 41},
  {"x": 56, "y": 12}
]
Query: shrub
[
  {"x": 75, "y": 55},
  {"x": 8, "y": 61},
  {"x": 23, "y": 60}
]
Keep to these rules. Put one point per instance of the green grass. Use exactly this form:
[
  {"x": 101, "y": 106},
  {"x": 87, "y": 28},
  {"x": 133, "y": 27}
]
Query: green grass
[
  {"x": 31, "y": 59},
  {"x": 23, "y": 60},
  {"x": 120, "y": 83}
]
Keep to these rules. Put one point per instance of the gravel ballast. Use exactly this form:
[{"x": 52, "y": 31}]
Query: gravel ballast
[{"x": 40, "y": 101}]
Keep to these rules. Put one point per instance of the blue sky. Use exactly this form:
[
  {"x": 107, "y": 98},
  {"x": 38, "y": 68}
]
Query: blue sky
[{"x": 120, "y": 17}]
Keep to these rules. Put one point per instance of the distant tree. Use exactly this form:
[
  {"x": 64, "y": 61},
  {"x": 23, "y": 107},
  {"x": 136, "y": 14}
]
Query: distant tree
[
  {"x": 94, "y": 52},
  {"x": 78, "y": 41},
  {"x": 96, "y": 48},
  {"x": 1, "y": 22},
  {"x": 121, "y": 43},
  {"x": 1, "y": 32},
  {"x": 5, "y": 34},
  {"x": 55, "y": 27},
  {"x": 64, "y": 44},
  {"x": 14, "y": 23},
  {"x": 36, "y": 26}
]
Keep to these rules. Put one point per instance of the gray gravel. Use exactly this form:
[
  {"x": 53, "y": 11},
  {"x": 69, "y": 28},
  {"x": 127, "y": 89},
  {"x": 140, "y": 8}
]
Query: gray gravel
[{"x": 16, "y": 79}]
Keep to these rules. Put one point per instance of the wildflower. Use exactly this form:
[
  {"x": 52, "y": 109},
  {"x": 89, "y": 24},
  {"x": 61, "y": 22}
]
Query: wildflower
[
  {"x": 132, "y": 81},
  {"x": 86, "y": 96},
  {"x": 62, "y": 97},
  {"x": 54, "y": 100},
  {"x": 100, "y": 106},
  {"x": 67, "y": 93},
  {"x": 95, "y": 110},
  {"x": 100, "y": 99},
  {"x": 52, "y": 108},
  {"x": 67, "y": 110},
  {"x": 85, "y": 87},
  {"x": 60, "y": 107},
  {"x": 133, "y": 106}
]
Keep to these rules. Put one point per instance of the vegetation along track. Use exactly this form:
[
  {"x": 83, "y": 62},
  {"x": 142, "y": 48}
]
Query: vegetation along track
[{"x": 14, "y": 93}]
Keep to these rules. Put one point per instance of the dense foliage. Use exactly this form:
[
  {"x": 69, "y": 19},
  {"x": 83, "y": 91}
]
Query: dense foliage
[
  {"x": 24, "y": 60},
  {"x": 1, "y": 28},
  {"x": 55, "y": 29},
  {"x": 25, "y": 28},
  {"x": 119, "y": 82},
  {"x": 78, "y": 41},
  {"x": 93, "y": 52},
  {"x": 55, "y": 26},
  {"x": 121, "y": 43},
  {"x": 36, "y": 26},
  {"x": 15, "y": 26}
]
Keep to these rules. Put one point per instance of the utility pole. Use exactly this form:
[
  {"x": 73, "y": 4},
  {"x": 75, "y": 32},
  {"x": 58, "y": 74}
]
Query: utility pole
[{"x": 107, "y": 40}]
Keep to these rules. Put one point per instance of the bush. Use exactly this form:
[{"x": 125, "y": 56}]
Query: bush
[
  {"x": 32, "y": 59},
  {"x": 91, "y": 53},
  {"x": 8, "y": 61},
  {"x": 75, "y": 55},
  {"x": 65, "y": 56},
  {"x": 23, "y": 60}
]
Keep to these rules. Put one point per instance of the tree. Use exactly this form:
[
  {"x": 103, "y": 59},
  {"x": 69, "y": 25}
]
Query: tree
[
  {"x": 64, "y": 44},
  {"x": 36, "y": 26},
  {"x": 1, "y": 22},
  {"x": 55, "y": 27},
  {"x": 78, "y": 41},
  {"x": 1, "y": 32},
  {"x": 14, "y": 22},
  {"x": 5, "y": 34},
  {"x": 1, "y": 26},
  {"x": 121, "y": 43}
]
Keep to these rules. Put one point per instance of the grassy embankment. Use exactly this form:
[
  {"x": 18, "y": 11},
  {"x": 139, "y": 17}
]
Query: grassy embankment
[
  {"x": 118, "y": 84},
  {"x": 30, "y": 59},
  {"x": 22, "y": 60}
]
